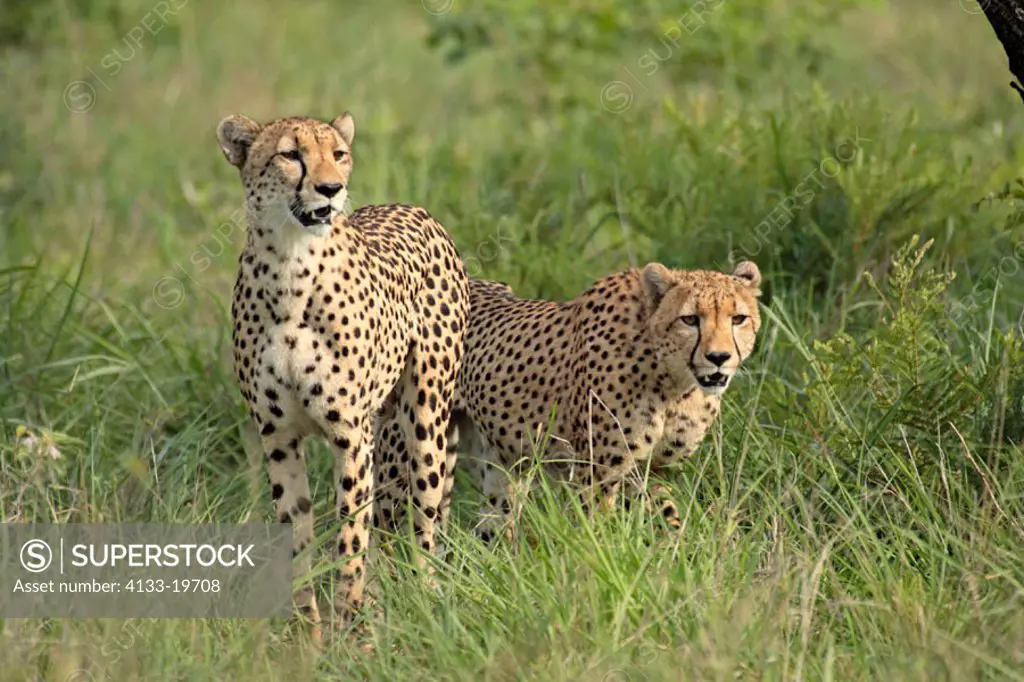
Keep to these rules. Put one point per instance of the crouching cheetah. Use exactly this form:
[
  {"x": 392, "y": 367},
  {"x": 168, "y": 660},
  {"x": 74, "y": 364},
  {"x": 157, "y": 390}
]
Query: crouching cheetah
[
  {"x": 333, "y": 316},
  {"x": 632, "y": 369}
]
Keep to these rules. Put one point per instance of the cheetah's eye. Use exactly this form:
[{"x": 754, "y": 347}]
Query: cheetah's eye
[
  {"x": 739, "y": 319},
  {"x": 689, "y": 319},
  {"x": 291, "y": 154},
  {"x": 339, "y": 155}
]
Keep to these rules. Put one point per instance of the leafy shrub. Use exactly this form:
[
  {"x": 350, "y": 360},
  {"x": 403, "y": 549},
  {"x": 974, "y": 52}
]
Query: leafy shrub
[{"x": 915, "y": 382}]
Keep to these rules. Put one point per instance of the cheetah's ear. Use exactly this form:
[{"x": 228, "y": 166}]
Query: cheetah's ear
[
  {"x": 346, "y": 126},
  {"x": 747, "y": 272},
  {"x": 236, "y": 135},
  {"x": 657, "y": 281}
]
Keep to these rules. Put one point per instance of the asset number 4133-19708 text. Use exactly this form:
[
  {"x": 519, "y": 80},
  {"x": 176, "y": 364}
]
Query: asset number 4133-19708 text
[{"x": 177, "y": 585}]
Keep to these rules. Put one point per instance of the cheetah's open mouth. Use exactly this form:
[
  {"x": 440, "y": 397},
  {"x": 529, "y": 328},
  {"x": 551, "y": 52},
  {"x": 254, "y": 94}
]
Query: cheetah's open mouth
[
  {"x": 713, "y": 380},
  {"x": 318, "y": 216}
]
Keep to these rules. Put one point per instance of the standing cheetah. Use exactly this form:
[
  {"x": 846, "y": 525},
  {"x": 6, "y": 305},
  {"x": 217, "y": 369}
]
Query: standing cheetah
[
  {"x": 633, "y": 369},
  {"x": 334, "y": 316}
]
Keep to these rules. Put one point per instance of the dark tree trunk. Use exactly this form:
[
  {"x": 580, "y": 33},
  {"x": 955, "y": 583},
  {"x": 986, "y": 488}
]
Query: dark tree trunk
[{"x": 1007, "y": 19}]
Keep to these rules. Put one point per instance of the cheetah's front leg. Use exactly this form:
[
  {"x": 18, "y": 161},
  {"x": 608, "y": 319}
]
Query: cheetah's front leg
[
  {"x": 600, "y": 475},
  {"x": 657, "y": 499},
  {"x": 465, "y": 440},
  {"x": 351, "y": 442},
  {"x": 289, "y": 487},
  {"x": 496, "y": 487},
  {"x": 612, "y": 470}
]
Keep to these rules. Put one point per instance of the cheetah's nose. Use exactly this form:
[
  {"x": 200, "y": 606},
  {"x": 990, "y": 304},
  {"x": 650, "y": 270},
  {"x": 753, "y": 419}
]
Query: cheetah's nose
[
  {"x": 718, "y": 359},
  {"x": 329, "y": 189}
]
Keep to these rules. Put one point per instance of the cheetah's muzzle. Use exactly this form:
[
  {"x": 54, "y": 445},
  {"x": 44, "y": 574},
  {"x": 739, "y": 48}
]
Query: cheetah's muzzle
[
  {"x": 317, "y": 216},
  {"x": 716, "y": 380}
]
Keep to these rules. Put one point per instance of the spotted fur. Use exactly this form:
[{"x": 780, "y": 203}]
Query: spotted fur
[
  {"x": 334, "y": 316},
  {"x": 633, "y": 369}
]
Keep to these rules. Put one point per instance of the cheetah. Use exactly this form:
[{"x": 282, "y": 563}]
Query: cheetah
[
  {"x": 633, "y": 370},
  {"x": 334, "y": 315}
]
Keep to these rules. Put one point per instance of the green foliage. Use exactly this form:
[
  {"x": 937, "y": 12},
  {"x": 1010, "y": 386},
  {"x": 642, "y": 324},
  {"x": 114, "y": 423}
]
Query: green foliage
[
  {"x": 900, "y": 400},
  {"x": 855, "y": 512},
  {"x": 898, "y": 363},
  {"x": 24, "y": 21},
  {"x": 904, "y": 366},
  {"x": 556, "y": 45}
]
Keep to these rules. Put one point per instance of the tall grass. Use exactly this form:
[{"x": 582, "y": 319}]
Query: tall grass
[{"x": 856, "y": 512}]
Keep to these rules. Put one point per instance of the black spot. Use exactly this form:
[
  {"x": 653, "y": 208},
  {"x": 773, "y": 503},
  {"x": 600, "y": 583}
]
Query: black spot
[
  {"x": 333, "y": 416},
  {"x": 278, "y": 455},
  {"x": 277, "y": 491}
]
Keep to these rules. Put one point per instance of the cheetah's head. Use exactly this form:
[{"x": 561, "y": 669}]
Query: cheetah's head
[
  {"x": 704, "y": 322},
  {"x": 294, "y": 170}
]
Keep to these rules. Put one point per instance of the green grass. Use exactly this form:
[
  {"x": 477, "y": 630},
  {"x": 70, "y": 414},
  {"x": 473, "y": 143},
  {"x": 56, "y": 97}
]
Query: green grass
[{"x": 855, "y": 514}]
